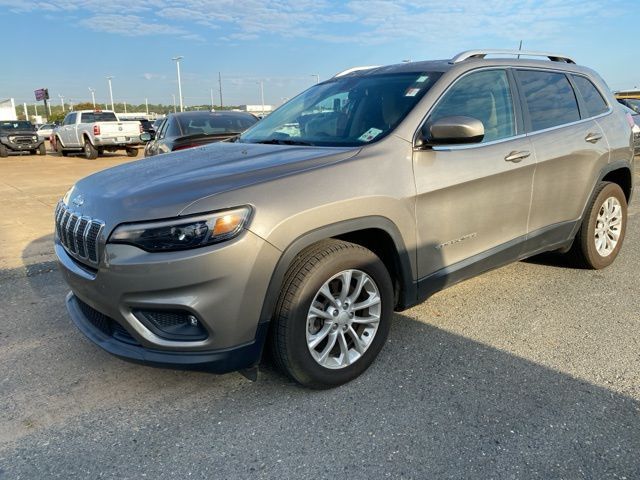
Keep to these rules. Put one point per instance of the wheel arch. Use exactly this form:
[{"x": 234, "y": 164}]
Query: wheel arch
[
  {"x": 378, "y": 234},
  {"x": 621, "y": 175}
]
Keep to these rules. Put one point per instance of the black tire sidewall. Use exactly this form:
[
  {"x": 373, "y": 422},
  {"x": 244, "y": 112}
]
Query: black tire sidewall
[
  {"x": 591, "y": 254},
  {"x": 304, "y": 368}
]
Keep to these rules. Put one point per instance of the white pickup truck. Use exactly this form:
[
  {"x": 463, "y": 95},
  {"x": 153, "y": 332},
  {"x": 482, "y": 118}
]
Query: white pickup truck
[{"x": 97, "y": 131}]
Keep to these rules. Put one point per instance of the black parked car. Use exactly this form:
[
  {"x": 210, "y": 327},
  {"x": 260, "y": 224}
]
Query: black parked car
[
  {"x": 147, "y": 127},
  {"x": 20, "y": 136},
  {"x": 191, "y": 129}
]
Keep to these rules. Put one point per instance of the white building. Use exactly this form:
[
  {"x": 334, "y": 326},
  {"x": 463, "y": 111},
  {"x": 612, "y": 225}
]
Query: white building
[
  {"x": 257, "y": 109},
  {"x": 8, "y": 109}
]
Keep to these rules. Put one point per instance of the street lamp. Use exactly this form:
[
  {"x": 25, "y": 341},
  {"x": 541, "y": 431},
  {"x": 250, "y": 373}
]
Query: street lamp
[
  {"x": 261, "y": 82},
  {"x": 317, "y": 77},
  {"x": 93, "y": 97},
  {"x": 177, "y": 60},
  {"x": 111, "y": 94},
  {"x": 61, "y": 102},
  {"x": 174, "y": 102}
]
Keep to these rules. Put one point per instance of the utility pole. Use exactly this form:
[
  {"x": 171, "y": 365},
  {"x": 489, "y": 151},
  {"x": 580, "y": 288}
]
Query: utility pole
[
  {"x": 220, "y": 85},
  {"x": 177, "y": 60},
  {"x": 93, "y": 97},
  {"x": 113, "y": 107},
  {"x": 146, "y": 105},
  {"x": 262, "y": 95}
]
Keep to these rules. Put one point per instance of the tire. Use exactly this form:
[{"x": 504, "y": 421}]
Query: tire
[
  {"x": 42, "y": 149},
  {"x": 132, "y": 152},
  {"x": 588, "y": 251},
  {"x": 33, "y": 152},
  {"x": 4, "y": 153},
  {"x": 295, "y": 328},
  {"x": 59, "y": 147},
  {"x": 90, "y": 152}
]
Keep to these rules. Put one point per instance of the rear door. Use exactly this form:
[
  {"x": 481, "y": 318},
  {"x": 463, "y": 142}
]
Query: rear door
[
  {"x": 570, "y": 148},
  {"x": 473, "y": 200}
]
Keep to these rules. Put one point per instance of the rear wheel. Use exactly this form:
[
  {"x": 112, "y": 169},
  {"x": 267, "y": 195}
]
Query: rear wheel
[
  {"x": 333, "y": 315},
  {"x": 90, "y": 152},
  {"x": 132, "y": 152},
  {"x": 600, "y": 237},
  {"x": 3, "y": 151}
]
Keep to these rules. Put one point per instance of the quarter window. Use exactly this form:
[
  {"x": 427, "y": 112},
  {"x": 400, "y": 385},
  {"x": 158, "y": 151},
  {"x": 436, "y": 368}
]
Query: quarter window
[
  {"x": 549, "y": 98},
  {"x": 485, "y": 96},
  {"x": 593, "y": 101}
]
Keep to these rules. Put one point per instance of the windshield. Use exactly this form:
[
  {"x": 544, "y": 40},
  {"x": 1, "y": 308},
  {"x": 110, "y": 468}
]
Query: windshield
[
  {"x": 211, "y": 123},
  {"x": 344, "y": 111},
  {"x": 17, "y": 125}
]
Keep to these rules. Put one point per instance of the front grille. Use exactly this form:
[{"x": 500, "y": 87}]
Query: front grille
[
  {"x": 78, "y": 234},
  {"x": 106, "y": 324},
  {"x": 21, "y": 140}
]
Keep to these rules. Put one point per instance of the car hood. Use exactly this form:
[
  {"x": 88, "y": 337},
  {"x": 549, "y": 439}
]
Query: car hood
[
  {"x": 164, "y": 185},
  {"x": 6, "y": 133}
]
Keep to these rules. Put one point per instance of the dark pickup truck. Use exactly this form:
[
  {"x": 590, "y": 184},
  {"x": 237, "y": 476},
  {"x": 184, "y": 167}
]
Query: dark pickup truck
[{"x": 20, "y": 136}]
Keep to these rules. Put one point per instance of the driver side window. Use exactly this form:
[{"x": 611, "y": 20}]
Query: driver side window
[{"x": 483, "y": 95}]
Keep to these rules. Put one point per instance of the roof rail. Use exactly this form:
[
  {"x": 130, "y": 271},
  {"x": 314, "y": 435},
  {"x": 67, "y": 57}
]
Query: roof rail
[
  {"x": 354, "y": 69},
  {"x": 461, "y": 57}
]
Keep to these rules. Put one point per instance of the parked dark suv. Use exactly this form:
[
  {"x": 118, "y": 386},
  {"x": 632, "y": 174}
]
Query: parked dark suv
[
  {"x": 363, "y": 195},
  {"x": 20, "y": 136}
]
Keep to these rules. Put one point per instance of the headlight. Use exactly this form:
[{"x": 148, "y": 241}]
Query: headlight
[
  {"x": 183, "y": 233},
  {"x": 34, "y": 138}
]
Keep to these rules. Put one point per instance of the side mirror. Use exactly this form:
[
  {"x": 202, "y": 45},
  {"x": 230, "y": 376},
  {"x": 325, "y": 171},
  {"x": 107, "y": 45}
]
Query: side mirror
[
  {"x": 145, "y": 137},
  {"x": 450, "y": 131}
]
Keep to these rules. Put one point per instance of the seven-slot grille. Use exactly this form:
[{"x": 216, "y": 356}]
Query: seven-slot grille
[{"x": 78, "y": 234}]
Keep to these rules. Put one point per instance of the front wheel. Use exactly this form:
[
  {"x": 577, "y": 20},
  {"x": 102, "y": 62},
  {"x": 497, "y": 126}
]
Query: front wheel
[
  {"x": 42, "y": 149},
  {"x": 333, "y": 315},
  {"x": 59, "y": 148},
  {"x": 600, "y": 237},
  {"x": 3, "y": 151},
  {"x": 132, "y": 152}
]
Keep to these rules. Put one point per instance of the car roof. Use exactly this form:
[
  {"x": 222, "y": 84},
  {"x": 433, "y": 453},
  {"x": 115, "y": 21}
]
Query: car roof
[{"x": 473, "y": 59}]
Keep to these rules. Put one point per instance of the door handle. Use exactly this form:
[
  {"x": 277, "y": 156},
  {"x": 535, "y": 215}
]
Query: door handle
[
  {"x": 593, "y": 137},
  {"x": 516, "y": 157}
]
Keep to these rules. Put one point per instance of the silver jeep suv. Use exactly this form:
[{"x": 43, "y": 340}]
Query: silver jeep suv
[{"x": 363, "y": 195}]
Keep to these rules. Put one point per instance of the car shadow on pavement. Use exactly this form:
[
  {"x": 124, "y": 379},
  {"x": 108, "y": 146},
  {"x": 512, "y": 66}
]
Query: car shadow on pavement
[{"x": 433, "y": 405}]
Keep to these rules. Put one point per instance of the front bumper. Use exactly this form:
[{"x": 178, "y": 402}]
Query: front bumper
[
  {"x": 23, "y": 147},
  {"x": 223, "y": 285},
  {"x": 215, "y": 361}
]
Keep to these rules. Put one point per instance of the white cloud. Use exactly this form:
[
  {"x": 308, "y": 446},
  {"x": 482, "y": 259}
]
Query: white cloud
[{"x": 361, "y": 21}]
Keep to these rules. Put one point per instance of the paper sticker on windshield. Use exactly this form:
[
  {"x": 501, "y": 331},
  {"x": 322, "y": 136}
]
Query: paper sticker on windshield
[
  {"x": 370, "y": 135},
  {"x": 422, "y": 79},
  {"x": 412, "y": 92}
]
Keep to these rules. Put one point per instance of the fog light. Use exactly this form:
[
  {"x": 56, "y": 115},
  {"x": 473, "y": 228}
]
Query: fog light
[{"x": 173, "y": 324}]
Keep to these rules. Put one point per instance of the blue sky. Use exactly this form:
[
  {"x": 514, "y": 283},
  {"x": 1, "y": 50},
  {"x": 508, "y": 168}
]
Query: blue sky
[{"x": 70, "y": 45}]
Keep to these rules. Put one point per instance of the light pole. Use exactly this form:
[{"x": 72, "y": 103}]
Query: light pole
[
  {"x": 317, "y": 77},
  {"x": 261, "y": 82},
  {"x": 61, "y": 102},
  {"x": 93, "y": 97},
  {"x": 211, "y": 91},
  {"x": 146, "y": 105},
  {"x": 177, "y": 60},
  {"x": 174, "y": 102},
  {"x": 113, "y": 107}
]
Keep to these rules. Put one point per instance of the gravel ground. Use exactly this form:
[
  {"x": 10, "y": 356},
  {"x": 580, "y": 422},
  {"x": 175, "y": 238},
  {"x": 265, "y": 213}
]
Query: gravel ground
[{"x": 529, "y": 371}]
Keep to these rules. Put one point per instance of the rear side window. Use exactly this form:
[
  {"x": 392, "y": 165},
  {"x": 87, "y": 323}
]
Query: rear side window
[
  {"x": 549, "y": 98},
  {"x": 485, "y": 96},
  {"x": 593, "y": 101},
  {"x": 172, "y": 129}
]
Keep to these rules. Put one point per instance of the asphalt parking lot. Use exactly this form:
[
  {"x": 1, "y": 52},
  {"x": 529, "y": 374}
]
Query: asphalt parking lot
[{"x": 529, "y": 371}]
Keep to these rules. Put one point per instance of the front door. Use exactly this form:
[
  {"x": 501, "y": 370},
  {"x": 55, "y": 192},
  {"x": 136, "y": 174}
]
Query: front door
[{"x": 474, "y": 200}]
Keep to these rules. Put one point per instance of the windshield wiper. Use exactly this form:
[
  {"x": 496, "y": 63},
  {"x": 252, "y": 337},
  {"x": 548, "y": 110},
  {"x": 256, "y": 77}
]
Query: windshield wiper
[{"x": 284, "y": 141}]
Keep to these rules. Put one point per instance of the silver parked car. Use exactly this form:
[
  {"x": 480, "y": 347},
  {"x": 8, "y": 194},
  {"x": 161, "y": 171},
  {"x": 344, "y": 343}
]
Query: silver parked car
[{"x": 362, "y": 196}]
